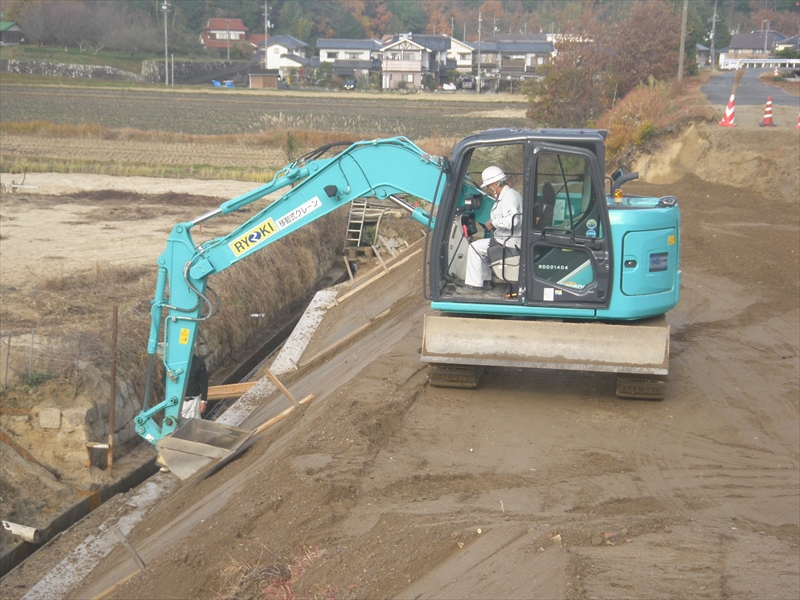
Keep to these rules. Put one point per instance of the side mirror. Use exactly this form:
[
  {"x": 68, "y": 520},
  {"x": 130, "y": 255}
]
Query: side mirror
[
  {"x": 623, "y": 170},
  {"x": 621, "y": 176}
]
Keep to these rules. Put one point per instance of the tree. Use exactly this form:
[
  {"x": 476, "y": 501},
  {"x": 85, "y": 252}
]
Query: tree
[
  {"x": 407, "y": 17},
  {"x": 645, "y": 44},
  {"x": 573, "y": 90}
]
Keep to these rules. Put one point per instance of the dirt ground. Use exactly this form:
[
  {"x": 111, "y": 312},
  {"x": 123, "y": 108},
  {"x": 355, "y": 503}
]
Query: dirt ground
[{"x": 537, "y": 484}]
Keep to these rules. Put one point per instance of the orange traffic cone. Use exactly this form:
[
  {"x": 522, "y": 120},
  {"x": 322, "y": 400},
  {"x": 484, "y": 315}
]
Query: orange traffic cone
[
  {"x": 729, "y": 120},
  {"x": 767, "y": 121},
  {"x": 776, "y": 73},
  {"x": 798, "y": 122}
]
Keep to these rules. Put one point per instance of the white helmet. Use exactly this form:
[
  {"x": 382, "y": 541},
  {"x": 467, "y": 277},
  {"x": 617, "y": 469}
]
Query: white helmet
[{"x": 492, "y": 175}]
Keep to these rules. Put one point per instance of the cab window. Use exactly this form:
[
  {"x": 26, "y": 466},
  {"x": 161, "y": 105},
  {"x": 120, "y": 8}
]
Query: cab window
[{"x": 566, "y": 200}]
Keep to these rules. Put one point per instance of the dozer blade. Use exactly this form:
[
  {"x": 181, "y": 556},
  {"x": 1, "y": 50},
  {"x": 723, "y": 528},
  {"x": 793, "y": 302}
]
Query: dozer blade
[
  {"x": 641, "y": 348},
  {"x": 198, "y": 445}
]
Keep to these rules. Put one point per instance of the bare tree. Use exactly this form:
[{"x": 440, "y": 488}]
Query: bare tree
[
  {"x": 645, "y": 45},
  {"x": 69, "y": 22},
  {"x": 126, "y": 30},
  {"x": 573, "y": 90},
  {"x": 34, "y": 24}
]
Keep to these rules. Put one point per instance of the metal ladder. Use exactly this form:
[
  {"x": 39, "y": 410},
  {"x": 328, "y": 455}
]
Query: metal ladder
[{"x": 355, "y": 224}]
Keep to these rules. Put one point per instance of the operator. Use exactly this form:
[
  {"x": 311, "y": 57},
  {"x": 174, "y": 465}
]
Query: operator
[
  {"x": 195, "y": 400},
  {"x": 505, "y": 225}
]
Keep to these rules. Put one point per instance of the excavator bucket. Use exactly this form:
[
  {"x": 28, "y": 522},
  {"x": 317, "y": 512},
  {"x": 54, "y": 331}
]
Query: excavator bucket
[
  {"x": 459, "y": 347},
  {"x": 198, "y": 445}
]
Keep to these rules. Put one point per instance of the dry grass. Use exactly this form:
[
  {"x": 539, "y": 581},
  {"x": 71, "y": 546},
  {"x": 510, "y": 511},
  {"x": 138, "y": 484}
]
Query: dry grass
[
  {"x": 72, "y": 314},
  {"x": 648, "y": 112},
  {"x": 279, "y": 580}
]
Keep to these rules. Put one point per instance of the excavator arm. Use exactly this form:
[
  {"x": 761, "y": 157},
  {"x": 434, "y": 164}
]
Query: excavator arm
[{"x": 384, "y": 168}]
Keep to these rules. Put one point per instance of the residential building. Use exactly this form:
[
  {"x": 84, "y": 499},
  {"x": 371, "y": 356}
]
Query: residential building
[
  {"x": 350, "y": 58},
  {"x": 223, "y": 33},
  {"x": 511, "y": 57},
  {"x": 284, "y": 53},
  {"x": 756, "y": 44},
  {"x": 460, "y": 56},
  {"x": 408, "y": 57},
  {"x": 790, "y": 43},
  {"x": 404, "y": 63}
]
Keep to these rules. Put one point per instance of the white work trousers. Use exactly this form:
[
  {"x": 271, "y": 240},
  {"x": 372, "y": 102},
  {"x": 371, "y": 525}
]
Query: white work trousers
[
  {"x": 191, "y": 408},
  {"x": 478, "y": 263}
]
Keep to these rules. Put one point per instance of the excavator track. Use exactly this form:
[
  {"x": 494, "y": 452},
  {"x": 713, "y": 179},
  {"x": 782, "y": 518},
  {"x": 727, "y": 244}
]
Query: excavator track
[
  {"x": 641, "y": 387},
  {"x": 465, "y": 377}
]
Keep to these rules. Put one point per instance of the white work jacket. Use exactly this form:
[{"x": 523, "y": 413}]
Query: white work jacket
[{"x": 507, "y": 214}]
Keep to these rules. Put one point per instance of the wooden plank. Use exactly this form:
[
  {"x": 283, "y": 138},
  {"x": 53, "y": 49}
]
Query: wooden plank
[{"x": 233, "y": 390}]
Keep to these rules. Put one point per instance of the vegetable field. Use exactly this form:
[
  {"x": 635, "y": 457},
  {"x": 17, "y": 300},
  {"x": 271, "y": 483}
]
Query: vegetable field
[{"x": 220, "y": 112}]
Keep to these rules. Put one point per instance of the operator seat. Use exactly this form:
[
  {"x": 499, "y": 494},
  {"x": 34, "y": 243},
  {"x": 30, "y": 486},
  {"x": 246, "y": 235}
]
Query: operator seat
[
  {"x": 545, "y": 206},
  {"x": 504, "y": 259}
]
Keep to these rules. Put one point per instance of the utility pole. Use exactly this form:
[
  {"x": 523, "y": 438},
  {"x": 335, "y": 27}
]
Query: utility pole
[
  {"x": 165, "y": 8},
  {"x": 228, "y": 23},
  {"x": 714, "y": 20},
  {"x": 266, "y": 34},
  {"x": 683, "y": 39},
  {"x": 478, "y": 78}
]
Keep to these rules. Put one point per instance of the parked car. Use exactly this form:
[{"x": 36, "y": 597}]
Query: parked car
[
  {"x": 350, "y": 84},
  {"x": 468, "y": 82}
]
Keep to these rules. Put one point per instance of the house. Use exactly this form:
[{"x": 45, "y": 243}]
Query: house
[
  {"x": 10, "y": 34},
  {"x": 284, "y": 53},
  {"x": 459, "y": 55},
  {"x": 224, "y": 33},
  {"x": 350, "y": 58},
  {"x": 404, "y": 63},
  {"x": 408, "y": 57},
  {"x": 511, "y": 57},
  {"x": 756, "y": 44},
  {"x": 790, "y": 43}
]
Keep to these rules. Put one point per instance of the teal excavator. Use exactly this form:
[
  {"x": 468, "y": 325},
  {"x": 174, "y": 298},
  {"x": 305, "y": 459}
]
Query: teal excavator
[{"x": 585, "y": 285}]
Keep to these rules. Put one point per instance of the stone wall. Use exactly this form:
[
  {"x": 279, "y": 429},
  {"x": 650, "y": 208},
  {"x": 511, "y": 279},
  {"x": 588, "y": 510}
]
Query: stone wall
[
  {"x": 192, "y": 72},
  {"x": 37, "y": 67},
  {"x": 184, "y": 72}
]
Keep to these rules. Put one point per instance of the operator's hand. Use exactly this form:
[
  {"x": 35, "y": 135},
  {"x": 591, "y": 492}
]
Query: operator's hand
[
  {"x": 203, "y": 405},
  {"x": 489, "y": 225}
]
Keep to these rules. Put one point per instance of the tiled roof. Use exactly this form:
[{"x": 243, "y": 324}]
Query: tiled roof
[{"x": 345, "y": 44}]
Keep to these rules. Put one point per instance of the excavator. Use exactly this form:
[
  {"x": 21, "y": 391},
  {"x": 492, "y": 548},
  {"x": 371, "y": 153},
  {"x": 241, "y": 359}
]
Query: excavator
[{"x": 585, "y": 286}]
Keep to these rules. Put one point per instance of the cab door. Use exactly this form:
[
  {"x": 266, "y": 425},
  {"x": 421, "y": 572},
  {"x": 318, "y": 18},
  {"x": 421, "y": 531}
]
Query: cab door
[{"x": 568, "y": 243}]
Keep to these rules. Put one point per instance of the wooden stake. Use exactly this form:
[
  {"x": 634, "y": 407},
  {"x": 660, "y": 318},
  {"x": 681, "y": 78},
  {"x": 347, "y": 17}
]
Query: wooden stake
[
  {"x": 113, "y": 403},
  {"x": 378, "y": 256},
  {"x": 266, "y": 425},
  {"x": 282, "y": 388},
  {"x": 129, "y": 547}
]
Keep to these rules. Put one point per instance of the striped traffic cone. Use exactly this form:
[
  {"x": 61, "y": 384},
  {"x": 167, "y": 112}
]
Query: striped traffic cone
[
  {"x": 767, "y": 120},
  {"x": 776, "y": 73},
  {"x": 798, "y": 122},
  {"x": 729, "y": 120}
]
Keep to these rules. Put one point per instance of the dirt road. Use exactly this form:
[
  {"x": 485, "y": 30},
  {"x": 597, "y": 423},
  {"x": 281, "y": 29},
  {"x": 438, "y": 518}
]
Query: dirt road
[{"x": 535, "y": 485}]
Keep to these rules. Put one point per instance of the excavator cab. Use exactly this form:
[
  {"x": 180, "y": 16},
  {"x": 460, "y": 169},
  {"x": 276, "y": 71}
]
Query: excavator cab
[{"x": 562, "y": 252}]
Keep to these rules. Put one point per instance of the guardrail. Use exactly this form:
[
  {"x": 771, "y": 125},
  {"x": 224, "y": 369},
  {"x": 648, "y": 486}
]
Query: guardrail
[{"x": 759, "y": 63}]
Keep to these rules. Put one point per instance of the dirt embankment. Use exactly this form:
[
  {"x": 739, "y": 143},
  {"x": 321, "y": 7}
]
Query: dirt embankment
[
  {"x": 747, "y": 156},
  {"x": 537, "y": 484}
]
